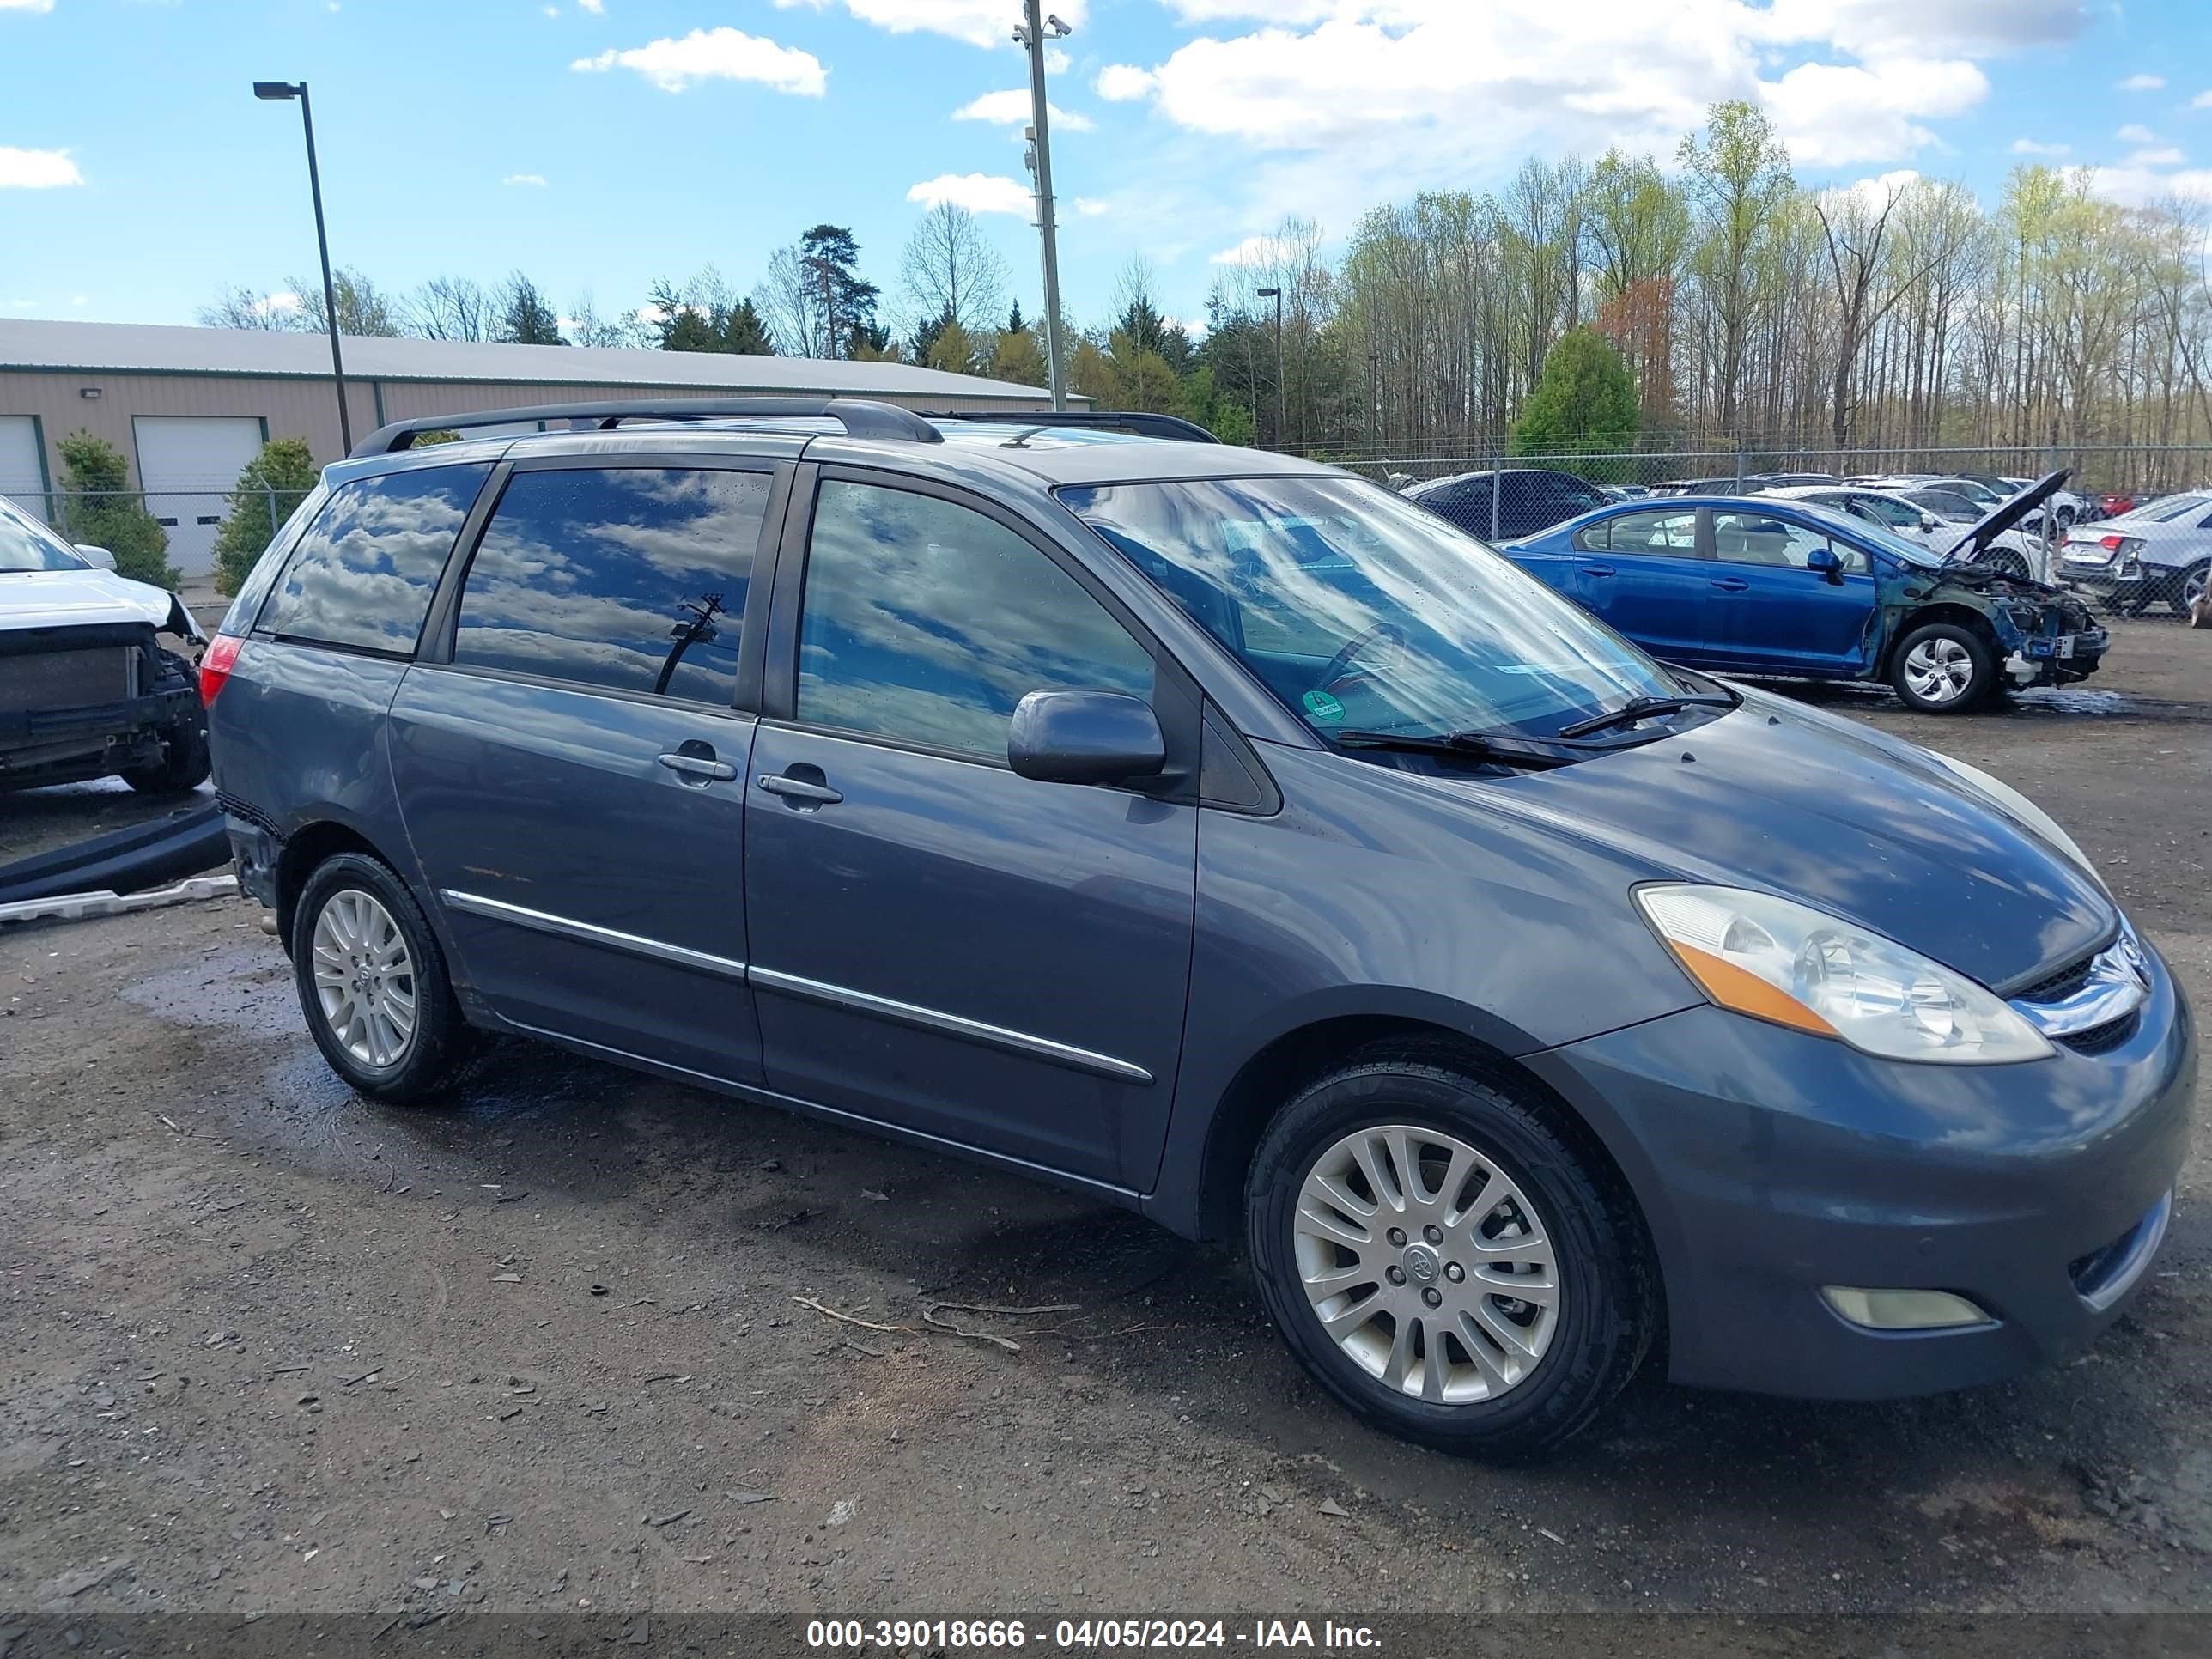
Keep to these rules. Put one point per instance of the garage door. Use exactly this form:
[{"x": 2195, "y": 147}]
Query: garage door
[
  {"x": 20, "y": 480},
  {"x": 186, "y": 464}
]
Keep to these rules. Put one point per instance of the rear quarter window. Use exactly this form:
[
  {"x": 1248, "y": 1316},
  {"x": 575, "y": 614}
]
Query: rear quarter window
[{"x": 362, "y": 575}]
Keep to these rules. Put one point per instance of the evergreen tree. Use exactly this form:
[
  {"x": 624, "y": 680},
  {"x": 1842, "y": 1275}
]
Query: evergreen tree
[
  {"x": 109, "y": 513},
  {"x": 1014, "y": 323},
  {"x": 269, "y": 486},
  {"x": 524, "y": 316},
  {"x": 828, "y": 259},
  {"x": 1584, "y": 403}
]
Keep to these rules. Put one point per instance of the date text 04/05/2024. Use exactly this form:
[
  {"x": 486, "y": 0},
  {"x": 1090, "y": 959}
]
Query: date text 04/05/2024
[{"x": 1290, "y": 1635}]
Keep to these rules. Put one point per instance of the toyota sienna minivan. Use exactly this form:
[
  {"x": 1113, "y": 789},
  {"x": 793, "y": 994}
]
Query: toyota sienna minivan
[{"x": 1221, "y": 836}]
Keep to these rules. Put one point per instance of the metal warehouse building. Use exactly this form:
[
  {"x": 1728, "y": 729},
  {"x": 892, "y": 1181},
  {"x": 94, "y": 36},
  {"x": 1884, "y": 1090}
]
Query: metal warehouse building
[{"x": 190, "y": 406}]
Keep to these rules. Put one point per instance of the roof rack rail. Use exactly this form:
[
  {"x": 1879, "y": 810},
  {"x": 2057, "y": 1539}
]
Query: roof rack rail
[
  {"x": 861, "y": 418},
  {"x": 1142, "y": 422}
]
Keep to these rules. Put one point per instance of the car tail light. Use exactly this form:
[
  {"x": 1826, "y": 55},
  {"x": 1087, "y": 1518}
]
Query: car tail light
[
  {"x": 216, "y": 662},
  {"x": 2112, "y": 542}
]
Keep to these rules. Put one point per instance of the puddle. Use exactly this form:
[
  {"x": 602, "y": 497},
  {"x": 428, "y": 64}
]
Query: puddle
[{"x": 2073, "y": 699}]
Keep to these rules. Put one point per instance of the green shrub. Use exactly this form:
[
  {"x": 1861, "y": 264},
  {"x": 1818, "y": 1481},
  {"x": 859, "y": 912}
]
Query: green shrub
[
  {"x": 269, "y": 486},
  {"x": 99, "y": 509}
]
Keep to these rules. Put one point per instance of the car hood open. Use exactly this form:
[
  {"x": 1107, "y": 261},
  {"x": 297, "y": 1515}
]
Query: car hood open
[
  {"x": 1787, "y": 800},
  {"x": 80, "y": 598},
  {"x": 2004, "y": 515}
]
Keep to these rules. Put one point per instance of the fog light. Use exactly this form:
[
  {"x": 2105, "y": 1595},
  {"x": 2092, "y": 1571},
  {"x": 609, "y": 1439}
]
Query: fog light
[{"x": 1902, "y": 1310}]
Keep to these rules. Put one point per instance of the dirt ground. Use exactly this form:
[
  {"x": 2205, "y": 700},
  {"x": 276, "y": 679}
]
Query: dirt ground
[{"x": 268, "y": 1348}]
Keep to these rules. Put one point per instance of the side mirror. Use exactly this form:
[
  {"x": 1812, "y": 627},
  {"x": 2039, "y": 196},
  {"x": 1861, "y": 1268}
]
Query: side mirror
[
  {"x": 1927, "y": 523},
  {"x": 99, "y": 555},
  {"x": 1086, "y": 737},
  {"x": 1827, "y": 562}
]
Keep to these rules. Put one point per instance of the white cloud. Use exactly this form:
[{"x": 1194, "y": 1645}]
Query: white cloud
[
  {"x": 2029, "y": 147},
  {"x": 1833, "y": 113},
  {"x": 1913, "y": 28},
  {"x": 2136, "y": 133},
  {"x": 717, "y": 54},
  {"x": 978, "y": 22},
  {"x": 1056, "y": 61},
  {"x": 36, "y": 169},
  {"x": 1119, "y": 84},
  {"x": 283, "y": 303},
  {"x": 26, "y": 5},
  {"x": 534, "y": 180},
  {"x": 1252, "y": 250},
  {"x": 2134, "y": 186},
  {"x": 77, "y": 299},
  {"x": 2203, "y": 100},
  {"x": 2142, "y": 83},
  {"x": 598, "y": 7},
  {"x": 1088, "y": 207},
  {"x": 2167, "y": 157},
  {"x": 979, "y": 192},
  {"x": 1011, "y": 108}
]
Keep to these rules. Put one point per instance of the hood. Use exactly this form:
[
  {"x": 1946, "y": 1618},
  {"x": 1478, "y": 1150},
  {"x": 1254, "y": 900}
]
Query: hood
[
  {"x": 1790, "y": 801},
  {"x": 89, "y": 598},
  {"x": 2005, "y": 515}
]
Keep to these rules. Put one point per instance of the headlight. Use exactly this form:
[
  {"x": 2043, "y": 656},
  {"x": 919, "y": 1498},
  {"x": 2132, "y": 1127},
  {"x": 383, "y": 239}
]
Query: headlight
[
  {"x": 2013, "y": 805},
  {"x": 1788, "y": 962}
]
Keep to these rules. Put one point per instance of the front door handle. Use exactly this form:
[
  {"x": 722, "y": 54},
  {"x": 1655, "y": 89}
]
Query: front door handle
[
  {"x": 1597, "y": 570},
  {"x": 1730, "y": 584},
  {"x": 701, "y": 767},
  {"x": 798, "y": 789}
]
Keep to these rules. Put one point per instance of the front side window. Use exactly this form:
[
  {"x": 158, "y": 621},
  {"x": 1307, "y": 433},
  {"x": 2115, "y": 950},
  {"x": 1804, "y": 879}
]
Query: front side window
[
  {"x": 1760, "y": 538},
  {"x": 363, "y": 575},
  {"x": 1665, "y": 534},
  {"x": 1360, "y": 611},
  {"x": 630, "y": 579},
  {"x": 1898, "y": 515},
  {"x": 926, "y": 623}
]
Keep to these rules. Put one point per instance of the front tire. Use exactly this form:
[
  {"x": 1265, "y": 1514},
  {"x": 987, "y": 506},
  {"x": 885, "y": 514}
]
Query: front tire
[
  {"x": 1942, "y": 668},
  {"x": 1443, "y": 1263},
  {"x": 182, "y": 766},
  {"x": 372, "y": 982}
]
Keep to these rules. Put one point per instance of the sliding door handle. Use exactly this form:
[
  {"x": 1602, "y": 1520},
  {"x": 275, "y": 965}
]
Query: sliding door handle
[
  {"x": 699, "y": 766},
  {"x": 798, "y": 789}
]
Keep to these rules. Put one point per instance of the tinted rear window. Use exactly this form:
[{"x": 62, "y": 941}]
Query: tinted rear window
[
  {"x": 363, "y": 574},
  {"x": 629, "y": 578}
]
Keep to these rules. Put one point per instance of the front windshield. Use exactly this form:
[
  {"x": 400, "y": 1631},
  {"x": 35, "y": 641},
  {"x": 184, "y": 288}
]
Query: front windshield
[
  {"x": 1363, "y": 612},
  {"x": 27, "y": 544},
  {"x": 1865, "y": 530}
]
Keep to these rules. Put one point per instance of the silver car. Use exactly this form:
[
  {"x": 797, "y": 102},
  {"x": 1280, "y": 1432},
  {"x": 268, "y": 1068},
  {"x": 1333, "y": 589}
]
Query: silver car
[{"x": 2161, "y": 551}]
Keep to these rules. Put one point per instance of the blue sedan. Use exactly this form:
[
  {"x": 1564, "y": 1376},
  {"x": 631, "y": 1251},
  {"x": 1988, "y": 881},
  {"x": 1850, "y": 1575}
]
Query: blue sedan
[{"x": 1767, "y": 586}]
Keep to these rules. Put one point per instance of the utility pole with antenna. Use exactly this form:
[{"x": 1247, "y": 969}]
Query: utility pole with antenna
[{"x": 1031, "y": 33}]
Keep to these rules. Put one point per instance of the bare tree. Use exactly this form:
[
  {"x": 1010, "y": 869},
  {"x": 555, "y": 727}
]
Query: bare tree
[
  {"x": 950, "y": 273},
  {"x": 450, "y": 309}
]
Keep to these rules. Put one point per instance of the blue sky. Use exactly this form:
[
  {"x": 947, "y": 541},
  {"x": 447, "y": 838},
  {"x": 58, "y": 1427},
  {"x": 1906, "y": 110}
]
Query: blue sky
[{"x": 601, "y": 144}]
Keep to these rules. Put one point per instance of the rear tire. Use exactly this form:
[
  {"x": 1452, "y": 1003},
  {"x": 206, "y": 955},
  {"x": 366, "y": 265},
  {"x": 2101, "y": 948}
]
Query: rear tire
[
  {"x": 182, "y": 766},
  {"x": 372, "y": 982},
  {"x": 1944, "y": 668},
  {"x": 1487, "y": 1197}
]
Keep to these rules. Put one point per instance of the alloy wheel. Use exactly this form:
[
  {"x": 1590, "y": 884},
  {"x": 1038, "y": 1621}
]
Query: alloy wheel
[
  {"x": 1426, "y": 1264},
  {"x": 364, "y": 978},
  {"x": 2193, "y": 586},
  {"x": 1939, "y": 670}
]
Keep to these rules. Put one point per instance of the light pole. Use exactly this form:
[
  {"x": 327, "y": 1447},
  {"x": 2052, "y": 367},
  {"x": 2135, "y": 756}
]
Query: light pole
[
  {"x": 1276, "y": 295},
  {"x": 279, "y": 91},
  {"x": 1030, "y": 33}
]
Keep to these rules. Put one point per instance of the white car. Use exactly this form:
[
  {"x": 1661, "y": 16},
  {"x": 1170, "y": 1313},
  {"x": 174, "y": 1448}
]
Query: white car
[
  {"x": 87, "y": 689},
  {"x": 2013, "y": 551}
]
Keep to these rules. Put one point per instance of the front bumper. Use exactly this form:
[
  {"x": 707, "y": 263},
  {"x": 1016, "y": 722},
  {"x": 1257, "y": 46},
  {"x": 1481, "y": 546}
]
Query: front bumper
[
  {"x": 2057, "y": 660},
  {"x": 1770, "y": 1163}
]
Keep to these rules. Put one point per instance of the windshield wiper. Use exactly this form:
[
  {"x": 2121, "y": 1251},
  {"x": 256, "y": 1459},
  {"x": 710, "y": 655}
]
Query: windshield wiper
[
  {"x": 1638, "y": 709},
  {"x": 1464, "y": 745}
]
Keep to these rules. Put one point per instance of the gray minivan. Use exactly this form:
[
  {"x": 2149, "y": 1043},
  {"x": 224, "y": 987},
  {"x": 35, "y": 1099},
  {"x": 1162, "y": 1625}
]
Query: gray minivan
[{"x": 1221, "y": 835}]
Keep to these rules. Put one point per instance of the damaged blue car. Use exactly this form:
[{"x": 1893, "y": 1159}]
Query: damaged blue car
[{"x": 1774, "y": 587}]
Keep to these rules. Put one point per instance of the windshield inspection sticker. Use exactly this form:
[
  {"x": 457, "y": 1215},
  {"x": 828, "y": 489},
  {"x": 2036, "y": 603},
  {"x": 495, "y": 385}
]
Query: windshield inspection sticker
[{"x": 1322, "y": 707}]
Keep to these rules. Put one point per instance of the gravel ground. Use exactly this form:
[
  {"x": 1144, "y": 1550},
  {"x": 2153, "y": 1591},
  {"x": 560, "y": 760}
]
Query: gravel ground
[{"x": 568, "y": 1344}]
